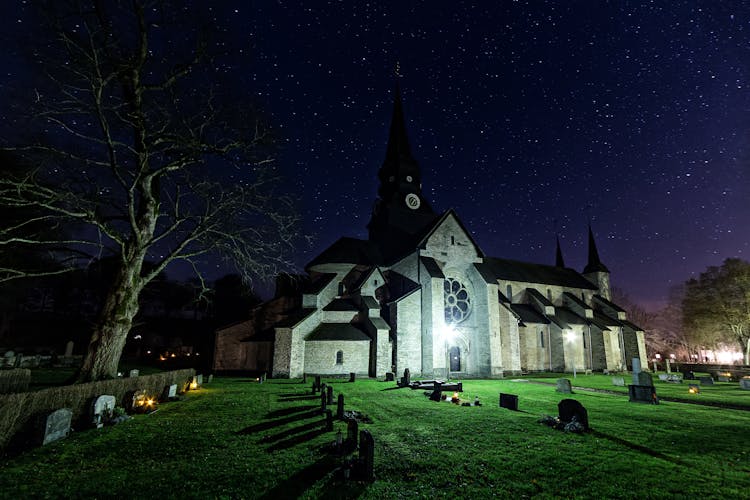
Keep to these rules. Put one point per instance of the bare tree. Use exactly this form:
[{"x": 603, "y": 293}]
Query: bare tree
[{"x": 141, "y": 154}]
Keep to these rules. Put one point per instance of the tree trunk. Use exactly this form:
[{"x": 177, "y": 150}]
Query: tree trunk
[
  {"x": 747, "y": 351},
  {"x": 112, "y": 328}
]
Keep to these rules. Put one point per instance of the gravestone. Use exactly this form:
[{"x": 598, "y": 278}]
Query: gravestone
[
  {"x": 102, "y": 409},
  {"x": 131, "y": 398},
  {"x": 352, "y": 376},
  {"x": 329, "y": 394},
  {"x": 724, "y": 378},
  {"x": 563, "y": 386},
  {"x": 390, "y": 376},
  {"x": 618, "y": 381},
  {"x": 199, "y": 379},
  {"x": 210, "y": 378},
  {"x": 69, "y": 349},
  {"x": 56, "y": 425},
  {"x": 329, "y": 420},
  {"x": 509, "y": 401},
  {"x": 437, "y": 392},
  {"x": 367, "y": 456},
  {"x": 352, "y": 431},
  {"x": 642, "y": 394},
  {"x": 317, "y": 382},
  {"x": 313, "y": 388},
  {"x": 688, "y": 375},
  {"x": 636, "y": 370},
  {"x": 323, "y": 401},
  {"x": 643, "y": 378},
  {"x": 170, "y": 392},
  {"x": 133, "y": 373},
  {"x": 304, "y": 378},
  {"x": 340, "y": 407},
  {"x": 570, "y": 410},
  {"x": 406, "y": 380},
  {"x": 706, "y": 380},
  {"x": 745, "y": 384}
]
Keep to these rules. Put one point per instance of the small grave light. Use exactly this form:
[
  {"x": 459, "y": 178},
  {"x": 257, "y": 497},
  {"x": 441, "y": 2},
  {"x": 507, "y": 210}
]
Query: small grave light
[
  {"x": 694, "y": 389},
  {"x": 193, "y": 385},
  {"x": 455, "y": 398}
]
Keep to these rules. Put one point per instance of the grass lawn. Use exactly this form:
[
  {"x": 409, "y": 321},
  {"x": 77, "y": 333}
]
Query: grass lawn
[{"x": 235, "y": 438}]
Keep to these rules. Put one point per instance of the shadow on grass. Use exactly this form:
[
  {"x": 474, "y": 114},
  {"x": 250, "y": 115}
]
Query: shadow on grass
[
  {"x": 294, "y": 441},
  {"x": 291, "y": 432},
  {"x": 289, "y": 411},
  {"x": 298, "y": 397},
  {"x": 275, "y": 423},
  {"x": 296, "y": 485},
  {"x": 394, "y": 388},
  {"x": 637, "y": 447}
]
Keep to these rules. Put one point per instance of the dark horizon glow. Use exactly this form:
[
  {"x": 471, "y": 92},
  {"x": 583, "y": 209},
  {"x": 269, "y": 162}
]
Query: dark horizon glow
[{"x": 525, "y": 117}]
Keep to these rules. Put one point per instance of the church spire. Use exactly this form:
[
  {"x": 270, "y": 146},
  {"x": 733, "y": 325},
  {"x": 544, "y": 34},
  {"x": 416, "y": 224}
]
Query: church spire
[
  {"x": 594, "y": 264},
  {"x": 559, "y": 262}
]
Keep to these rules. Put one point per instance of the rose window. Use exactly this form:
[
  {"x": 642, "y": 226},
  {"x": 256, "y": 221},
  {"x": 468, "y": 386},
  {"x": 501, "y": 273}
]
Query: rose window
[{"x": 457, "y": 302}]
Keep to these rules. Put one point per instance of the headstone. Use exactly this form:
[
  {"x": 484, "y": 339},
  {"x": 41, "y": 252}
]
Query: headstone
[
  {"x": 407, "y": 377},
  {"x": 329, "y": 393},
  {"x": 643, "y": 378},
  {"x": 663, "y": 377},
  {"x": 317, "y": 382},
  {"x": 437, "y": 392},
  {"x": 340, "y": 407},
  {"x": 352, "y": 431},
  {"x": 745, "y": 384},
  {"x": 706, "y": 380},
  {"x": 102, "y": 409},
  {"x": 199, "y": 379},
  {"x": 618, "y": 381},
  {"x": 304, "y": 378},
  {"x": 313, "y": 388},
  {"x": 56, "y": 425},
  {"x": 669, "y": 366},
  {"x": 724, "y": 378},
  {"x": 133, "y": 373},
  {"x": 352, "y": 376},
  {"x": 210, "y": 378},
  {"x": 563, "y": 386},
  {"x": 570, "y": 409},
  {"x": 323, "y": 400},
  {"x": 636, "y": 369},
  {"x": 132, "y": 398},
  {"x": 69, "y": 349},
  {"x": 367, "y": 455},
  {"x": 329, "y": 420},
  {"x": 170, "y": 392},
  {"x": 688, "y": 375},
  {"x": 642, "y": 394},
  {"x": 390, "y": 376},
  {"x": 509, "y": 401}
]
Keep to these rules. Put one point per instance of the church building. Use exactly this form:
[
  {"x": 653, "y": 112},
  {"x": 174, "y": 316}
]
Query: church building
[{"x": 420, "y": 293}]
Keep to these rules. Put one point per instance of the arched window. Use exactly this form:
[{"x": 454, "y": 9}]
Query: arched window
[
  {"x": 457, "y": 304},
  {"x": 339, "y": 357},
  {"x": 509, "y": 292},
  {"x": 549, "y": 294},
  {"x": 541, "y": 338}
]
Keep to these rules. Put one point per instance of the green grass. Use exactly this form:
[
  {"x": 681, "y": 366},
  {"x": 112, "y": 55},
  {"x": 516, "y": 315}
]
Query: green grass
[{"x": 239, "y": 439}]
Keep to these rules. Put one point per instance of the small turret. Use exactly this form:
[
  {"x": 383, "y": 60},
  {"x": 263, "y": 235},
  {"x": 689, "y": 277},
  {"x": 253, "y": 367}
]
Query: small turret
[
  {"x": 596, "y": 272},
  {"x": 559, "y": 262}
]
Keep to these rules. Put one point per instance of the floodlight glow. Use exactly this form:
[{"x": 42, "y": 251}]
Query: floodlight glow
[
  {"x": 570, "y": 336},
  {"x": 449, "y": 333}
]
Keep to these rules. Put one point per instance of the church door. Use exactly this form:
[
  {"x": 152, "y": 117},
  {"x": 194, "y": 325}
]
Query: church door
[{"x": 455, "y": 355}]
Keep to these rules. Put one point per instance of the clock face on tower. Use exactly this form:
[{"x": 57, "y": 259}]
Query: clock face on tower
[{"x": 412, "y": 201}]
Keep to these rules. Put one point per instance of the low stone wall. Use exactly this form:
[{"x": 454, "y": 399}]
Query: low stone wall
[{"x": 18, "y": 410}]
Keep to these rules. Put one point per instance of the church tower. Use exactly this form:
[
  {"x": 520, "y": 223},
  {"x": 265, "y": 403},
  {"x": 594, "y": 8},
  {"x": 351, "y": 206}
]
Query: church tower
[
  {"x": 401, "y": 212},
  {"x": 596, "y": 272},
  {"x": 559, "y": 262}
]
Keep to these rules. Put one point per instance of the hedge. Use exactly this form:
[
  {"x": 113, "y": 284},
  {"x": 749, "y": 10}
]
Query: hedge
[{"x": 18, "y": 411}]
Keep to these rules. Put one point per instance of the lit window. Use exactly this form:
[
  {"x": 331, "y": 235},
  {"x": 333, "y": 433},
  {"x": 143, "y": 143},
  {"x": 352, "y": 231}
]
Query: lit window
[{"x": 340, "y": 357}]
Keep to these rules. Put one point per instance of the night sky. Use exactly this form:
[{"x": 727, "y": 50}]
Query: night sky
[{"x": 525, "y": 117}]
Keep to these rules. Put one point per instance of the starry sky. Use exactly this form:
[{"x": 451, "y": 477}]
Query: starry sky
[{"x": 526, "y": 118}]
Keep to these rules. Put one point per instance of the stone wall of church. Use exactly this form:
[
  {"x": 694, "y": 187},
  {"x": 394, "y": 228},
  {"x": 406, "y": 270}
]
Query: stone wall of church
[
  {"x": 406, "y": 317},
  {"x": 480, "y": 356},
  {"x": 494, "y": 345},
  {"x": 228, "y": 351},
  {"x": 598, "y": 351},
  {"x": 613, "y": 350},
  {"x": 576, "y": 357},
  {"x": 534, "y": 342},
  {"x": 553, "y": 293},
  {"x": 320, "y": 357}
]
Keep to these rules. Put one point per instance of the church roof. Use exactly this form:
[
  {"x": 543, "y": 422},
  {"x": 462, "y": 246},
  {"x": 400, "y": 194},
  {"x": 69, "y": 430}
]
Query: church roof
[
  {"x": 569, "y": 317},
  {"x": 348, "y": 251},
  {"x": 576, "y": 300},
  {"x": 341, "y": 305},
  {"x": 632, "y": 326},
  {"x": 338, "y": 331},
  {"x": 432, "y": 267},
  {"x": 608, "y": 303},
  {"x": 317, "y": 285},
  {"x": 528, "y": 314},
  {"x": 526, "y": 272},
  {"x": 538, "y": 296},
  {"x": 295, "y": 318}
]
